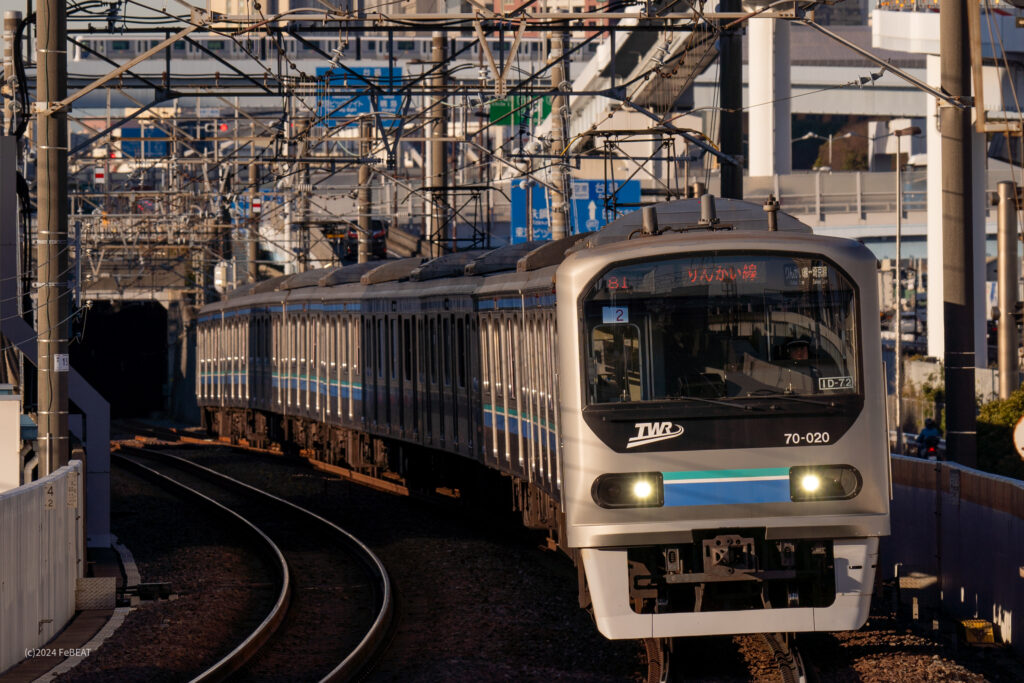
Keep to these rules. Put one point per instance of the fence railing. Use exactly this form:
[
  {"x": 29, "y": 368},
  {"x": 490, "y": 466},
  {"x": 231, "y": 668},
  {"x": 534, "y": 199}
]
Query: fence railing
[{"x": 42, "y": 541}]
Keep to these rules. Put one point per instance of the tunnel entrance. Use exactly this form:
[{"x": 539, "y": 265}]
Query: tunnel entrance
[{"x": 122, "y": 353}]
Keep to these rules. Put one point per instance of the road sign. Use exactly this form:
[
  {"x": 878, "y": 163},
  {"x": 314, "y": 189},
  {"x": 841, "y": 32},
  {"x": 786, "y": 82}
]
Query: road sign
[
  {"x": 99, "y": 176},
  {"x": 594, "y": 204},
  {"x": 512, "y": 111},
  {"x": 335, "y": 109}
]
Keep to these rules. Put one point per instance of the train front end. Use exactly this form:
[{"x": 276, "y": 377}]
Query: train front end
[{"x": 725, "y": 458}]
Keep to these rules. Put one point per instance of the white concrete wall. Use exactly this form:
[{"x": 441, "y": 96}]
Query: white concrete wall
[{"x": 41, "y": 557}]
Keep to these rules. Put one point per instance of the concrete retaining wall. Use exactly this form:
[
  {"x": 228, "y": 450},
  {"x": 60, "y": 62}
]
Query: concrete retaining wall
[
  {"x": 41, "y": 558},
  {"x": 967, "y": 528}
]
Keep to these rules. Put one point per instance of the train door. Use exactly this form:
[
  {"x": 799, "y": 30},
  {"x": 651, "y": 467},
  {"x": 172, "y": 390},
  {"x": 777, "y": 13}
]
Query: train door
[
  {"x": 323, "y": 363},
  {"x": 448, "y": 437},
  {"x": 421, "y": 381},
  {"x": 462, "y": 384},
  {"x": 488, "y": 391},
  {"x": 434, "y": 404},
  {"x": 512, "y": 405},
  {"x": 381, "y": 369},
  {"x": 394, "y": 376},
  {"x": 408, "y": 397},
  {"x": 529, "y": 393}
]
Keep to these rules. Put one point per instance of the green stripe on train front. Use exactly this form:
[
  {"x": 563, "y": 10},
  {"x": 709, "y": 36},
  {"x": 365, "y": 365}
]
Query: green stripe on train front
[{"x": 756, "y": 473}]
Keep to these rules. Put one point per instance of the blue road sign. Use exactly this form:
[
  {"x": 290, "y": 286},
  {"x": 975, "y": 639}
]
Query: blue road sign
[
  {"x": 594, "y": 204},
  {"x": 334, "y": 109}
]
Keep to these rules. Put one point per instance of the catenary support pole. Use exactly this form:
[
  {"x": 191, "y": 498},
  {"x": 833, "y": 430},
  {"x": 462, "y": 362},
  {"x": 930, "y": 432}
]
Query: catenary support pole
[
  {"x": 438, "y": 146},
  {"x": 52, "y": 236},
  {"x": 957, "y": 232},
  {"x": 1009, "y": 370},
  {"x": 730, "y": 127},
  {"x": 364, "y": 208},
  {"x": 559, "y": 112}
]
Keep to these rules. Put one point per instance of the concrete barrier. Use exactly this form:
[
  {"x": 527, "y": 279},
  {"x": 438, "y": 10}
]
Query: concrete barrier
[
  {"x": 42, "y": 548},
  {"x": 958, "y": 538}
]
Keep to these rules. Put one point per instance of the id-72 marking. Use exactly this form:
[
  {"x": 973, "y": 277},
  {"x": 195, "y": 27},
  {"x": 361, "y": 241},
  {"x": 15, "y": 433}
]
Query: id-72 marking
[{"x": 808, "y": 438}]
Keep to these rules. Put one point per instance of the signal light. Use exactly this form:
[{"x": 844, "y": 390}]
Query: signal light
[
  {"x": 223, "y": 128},
  {"x": 824, "y": 482},
  {"x": 629, "y": 490}
]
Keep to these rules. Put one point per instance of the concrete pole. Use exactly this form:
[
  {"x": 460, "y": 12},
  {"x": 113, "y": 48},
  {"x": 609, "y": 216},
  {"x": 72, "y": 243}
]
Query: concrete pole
[
  {"x": 304, "y": 190},
  {"x": 290, "y": 266},
  {"x": 11, "y": 21},
  {"x": 559, "y": 219},
  {"x": 438, "y": 147},
  {"x": 365, "y": 207},
  {"x": 768, "y": 82},
  {"x": 897, "y": 325},
  {"x": 1009, "y": 372},
  {"x": 52, "y": 237},
  {"x": 730, "y": 126},
  {"x": 252, "y": 246},
  {"x": 958, "y": 237}
]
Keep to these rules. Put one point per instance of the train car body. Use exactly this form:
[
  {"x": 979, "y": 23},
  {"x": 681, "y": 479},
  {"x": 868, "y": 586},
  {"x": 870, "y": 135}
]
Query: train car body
[{"x": 697, "y": 417}]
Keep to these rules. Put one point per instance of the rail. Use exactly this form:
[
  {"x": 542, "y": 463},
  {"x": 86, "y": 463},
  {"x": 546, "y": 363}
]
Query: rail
[
  {"x": 250, "y": 647},
  {"x": 376, "y": 636}
]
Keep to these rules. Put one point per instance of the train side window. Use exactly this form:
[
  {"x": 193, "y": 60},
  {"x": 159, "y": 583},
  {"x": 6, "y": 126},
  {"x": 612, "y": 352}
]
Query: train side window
[
  {"x": 407, "y": 348},
  {"x": 460, "y": 355}
]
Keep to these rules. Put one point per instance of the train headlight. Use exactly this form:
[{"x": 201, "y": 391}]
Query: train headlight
[
  {"x": 824, "y": 482},
  {"x": 629, "y": 490}
]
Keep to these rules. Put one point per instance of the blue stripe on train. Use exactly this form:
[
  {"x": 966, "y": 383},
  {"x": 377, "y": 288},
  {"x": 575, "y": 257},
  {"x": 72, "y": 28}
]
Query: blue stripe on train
[{"x": 727, "y": 492}]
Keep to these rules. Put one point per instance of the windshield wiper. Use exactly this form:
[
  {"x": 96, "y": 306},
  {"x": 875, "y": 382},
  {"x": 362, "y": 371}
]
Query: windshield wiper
[
  {"x": 630, "y": 410},
  {"x": 712, "y": 401},
  {"x": 768, "y": 393}
]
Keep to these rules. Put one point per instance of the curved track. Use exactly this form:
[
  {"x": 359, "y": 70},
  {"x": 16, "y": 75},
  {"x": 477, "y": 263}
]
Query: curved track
[{"x": 335, "y": 605}]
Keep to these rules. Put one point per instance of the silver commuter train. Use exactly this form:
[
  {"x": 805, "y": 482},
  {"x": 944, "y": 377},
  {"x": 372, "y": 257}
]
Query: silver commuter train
[{"x": 697, "y": 417}]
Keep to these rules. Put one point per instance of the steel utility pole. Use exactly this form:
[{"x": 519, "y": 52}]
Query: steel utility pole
[
  {"x": 898, "y": 325},
  {"x": 957, "y": 231},
  {"x": 559, "y": 220},
  {"x": 1009, "y": 370},
  {"x": 365, "y": 134},
  {"x": 730, "y": 126},
  {"x": 52, "y": 236}
]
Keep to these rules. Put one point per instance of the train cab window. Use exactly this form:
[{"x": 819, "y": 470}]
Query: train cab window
[{"x": 722, "y": 326}]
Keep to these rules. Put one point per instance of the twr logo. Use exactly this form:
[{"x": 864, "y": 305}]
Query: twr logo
[{"x": 650, "y": 432}]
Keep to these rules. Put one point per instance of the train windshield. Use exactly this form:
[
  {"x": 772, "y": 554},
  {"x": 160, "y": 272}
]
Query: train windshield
[{"x": 720, "y": 326}]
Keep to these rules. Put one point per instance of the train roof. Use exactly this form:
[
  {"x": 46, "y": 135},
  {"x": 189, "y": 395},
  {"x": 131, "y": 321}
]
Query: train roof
[{"x": 513, "y": 267}]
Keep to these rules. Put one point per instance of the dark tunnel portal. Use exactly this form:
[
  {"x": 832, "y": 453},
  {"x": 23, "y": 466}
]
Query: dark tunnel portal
[{"x": 123, "y": 355}]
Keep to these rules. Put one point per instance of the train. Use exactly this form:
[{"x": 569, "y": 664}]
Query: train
[{"x": 691, "y": 406}]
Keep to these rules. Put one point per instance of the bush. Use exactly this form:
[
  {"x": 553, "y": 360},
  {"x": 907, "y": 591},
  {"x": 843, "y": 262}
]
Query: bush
[{"x": 996, "y": 421}]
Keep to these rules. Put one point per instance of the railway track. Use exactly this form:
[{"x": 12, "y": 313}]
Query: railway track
[
  {"x": 334, "y": 607},
  {"x": 724, "y": 658}
]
